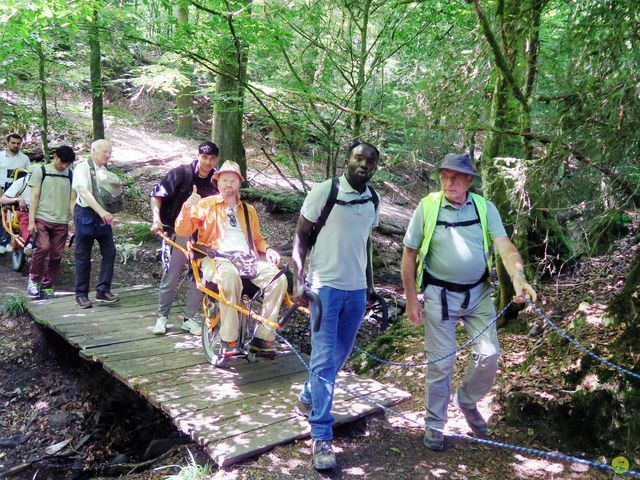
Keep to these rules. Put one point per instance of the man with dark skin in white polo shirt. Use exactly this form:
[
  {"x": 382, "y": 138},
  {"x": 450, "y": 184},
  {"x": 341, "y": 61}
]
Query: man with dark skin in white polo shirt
[{"x": 340, "y": 274}]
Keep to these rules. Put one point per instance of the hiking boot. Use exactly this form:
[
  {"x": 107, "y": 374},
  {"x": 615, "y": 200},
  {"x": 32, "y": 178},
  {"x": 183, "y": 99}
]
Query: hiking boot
[
  {"x": 261, "y": 346},
  {"x": 47, "y": 293},
  {"x": 433, "y": 440},
  {"x": 106, "y": 297},
  {"x": 28, "y": 248},
  {"x": 191, "y": 326},
  {"x": 160, "y": 328},
  {"x": 472, "y": 416},
  {"x": 323, "y": 456},
  {"x": 33, "y": 289},
  {"x": 230, "y": 349},
  {"x": 303, "y": 409},
  {"x": 83, "y": 302}
]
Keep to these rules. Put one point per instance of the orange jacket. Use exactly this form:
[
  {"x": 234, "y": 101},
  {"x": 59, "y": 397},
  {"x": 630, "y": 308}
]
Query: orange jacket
[{"x": 209, "y": 217}]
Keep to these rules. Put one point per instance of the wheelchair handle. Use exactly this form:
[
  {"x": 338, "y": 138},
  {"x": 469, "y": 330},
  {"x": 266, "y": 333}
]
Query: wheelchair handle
[{"x": 315, "y": 309}]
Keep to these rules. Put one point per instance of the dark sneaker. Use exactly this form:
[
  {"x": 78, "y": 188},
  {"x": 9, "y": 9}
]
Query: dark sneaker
[
  {"x": 106, "y": 297},
  {"x": 323, "y": 456},
  {"x": 434, "y": 440},
  {"x": 261, "y": 346},
  {"x": 472, "y": 416},
  {"x": 303, "y": 409},
  {"x": 47, "y": 293},
  {"x": 83, "y": 302},
  {"x": 230, "y": 349},
  {"x": 33, "y": 289}
]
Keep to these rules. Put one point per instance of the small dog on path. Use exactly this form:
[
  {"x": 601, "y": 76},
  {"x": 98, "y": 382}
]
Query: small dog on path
[{"x": 128, "y": 250}]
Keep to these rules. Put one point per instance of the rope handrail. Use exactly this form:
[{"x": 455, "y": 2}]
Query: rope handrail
[
  {"x": 431, "y": 362},
  {"x": 508, "y": 446}
]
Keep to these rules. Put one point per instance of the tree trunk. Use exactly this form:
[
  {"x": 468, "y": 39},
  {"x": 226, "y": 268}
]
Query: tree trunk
[
  {"x": 97, "y": 106},
  {"x": 362, "y": 60},
  {"x": 184, "y": 98},
  {"x": 625, "y": 306},
  {"x": 42, "y": 91},
  {"x": 229, "y": 100}
]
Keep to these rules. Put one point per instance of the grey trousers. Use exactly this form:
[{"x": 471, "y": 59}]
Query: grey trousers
[
  {"x": 169, "y": 283},
  {"x": 440, "y": 339}
]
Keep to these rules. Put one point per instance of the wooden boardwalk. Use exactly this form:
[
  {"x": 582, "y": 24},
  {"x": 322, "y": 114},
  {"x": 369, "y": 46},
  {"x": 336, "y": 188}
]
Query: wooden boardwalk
[{"x": 234, "y": 413}]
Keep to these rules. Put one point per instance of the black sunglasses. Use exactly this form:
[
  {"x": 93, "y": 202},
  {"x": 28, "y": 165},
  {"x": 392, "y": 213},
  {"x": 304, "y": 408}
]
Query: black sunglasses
[{"x": 231, "y": 214}]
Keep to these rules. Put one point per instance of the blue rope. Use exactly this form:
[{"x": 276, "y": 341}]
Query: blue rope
[
  {"x": 508, "y": 446},
  {"x": 431, "y": 362},
  {"x": 580, "y": 347}
]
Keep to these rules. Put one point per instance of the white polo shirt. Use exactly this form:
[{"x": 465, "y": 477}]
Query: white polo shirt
[
  {"x": 8, "y": 164},
  {"x": 339, "y": 256}
]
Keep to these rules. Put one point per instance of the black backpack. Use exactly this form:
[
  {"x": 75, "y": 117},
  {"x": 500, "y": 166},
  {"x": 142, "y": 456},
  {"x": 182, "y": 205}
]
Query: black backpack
[
  {"x": 45, "y": 174},
  {"x": 331, "y": 201}
]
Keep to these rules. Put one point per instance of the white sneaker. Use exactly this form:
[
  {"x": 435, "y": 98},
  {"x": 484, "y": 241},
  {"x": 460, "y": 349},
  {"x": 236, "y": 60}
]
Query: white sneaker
[
  {"x": 160, "y": 328},
  {"x": 28, "y": 249},
  {"x": 6, "y": 248},
  {"x": 191, "y": 326}
]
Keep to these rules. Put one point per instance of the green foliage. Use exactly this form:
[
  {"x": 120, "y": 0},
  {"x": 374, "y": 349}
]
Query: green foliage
[
  {"x": 138, "y": 232},
  {"x": 15, "y": 305},
  {"x": 606, "y": 229},
  {"x": 164, "y": 77},
  {"x": 391, "y": 344}
]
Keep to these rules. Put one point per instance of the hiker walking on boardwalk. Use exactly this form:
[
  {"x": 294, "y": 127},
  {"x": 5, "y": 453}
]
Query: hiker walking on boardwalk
[
  {"x": 99, "y": 197},
  {"x": 167, "y": 198},
  {"x": 447, "y": 257},
  {"x": 50, "y": 209},
  {"x": 340, "y": 274},
  {"x": 226, "y": 224}
]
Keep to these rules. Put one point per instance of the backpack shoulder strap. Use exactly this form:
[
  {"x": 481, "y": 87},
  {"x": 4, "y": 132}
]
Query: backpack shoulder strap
[
  {"x": 246, "y": 219},
  {"x": 325, "y": 212},
  {"x": 374, "y": 198},
  {"x": 25, "y": 184},
  {"x": 92, "y": 170}
]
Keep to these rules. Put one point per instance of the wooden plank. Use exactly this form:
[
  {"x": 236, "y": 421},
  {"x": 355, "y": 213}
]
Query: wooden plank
[
  {"x": 215, "y": 396},
  {"x": 147, "y": 347},
  {"x": 104, "y": 315},
  {"x": 235, "y": 449},
  {"x": 139, "y": 292},
  {"x": 269, "y": 407},
  {"x": 240, "y": 372},
  {"x": 124, "y": 369},
  {"x": 52, "y": 309},
  {"x": 213, "y": 389},
  {"x": 118, "y": 324}
]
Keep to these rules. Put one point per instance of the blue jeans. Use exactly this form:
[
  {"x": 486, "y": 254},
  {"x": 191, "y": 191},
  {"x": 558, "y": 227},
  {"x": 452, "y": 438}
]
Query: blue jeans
[{"x": 342, "y": 313}]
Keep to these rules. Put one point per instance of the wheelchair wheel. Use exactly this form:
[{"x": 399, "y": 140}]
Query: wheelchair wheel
[
  {"x": 18, "y": 259},
  {"x": 211, "y": 341}
]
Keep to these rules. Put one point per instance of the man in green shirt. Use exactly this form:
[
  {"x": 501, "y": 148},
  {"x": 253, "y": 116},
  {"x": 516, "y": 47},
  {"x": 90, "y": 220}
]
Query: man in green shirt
[{"x": 52, "y": 200}]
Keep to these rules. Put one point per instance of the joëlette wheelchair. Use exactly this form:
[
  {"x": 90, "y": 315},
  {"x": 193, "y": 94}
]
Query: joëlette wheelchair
[
  {"x": 248, "y": 318},
  {"x": 12, "y": 227}
]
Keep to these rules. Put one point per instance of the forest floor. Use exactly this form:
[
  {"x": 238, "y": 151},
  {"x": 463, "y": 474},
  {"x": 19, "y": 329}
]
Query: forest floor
[{"x": 48, "y": 394}]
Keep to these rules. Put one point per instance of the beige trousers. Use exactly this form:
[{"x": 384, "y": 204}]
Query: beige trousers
[{"x": 231, "y": 285}]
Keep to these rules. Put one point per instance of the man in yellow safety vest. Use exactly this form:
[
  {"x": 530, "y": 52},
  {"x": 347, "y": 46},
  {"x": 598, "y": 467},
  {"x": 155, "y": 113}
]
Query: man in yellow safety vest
[{"x": 447, "y": 257}]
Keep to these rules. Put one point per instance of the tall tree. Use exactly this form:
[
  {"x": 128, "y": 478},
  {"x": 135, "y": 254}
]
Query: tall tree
[
  {"x": 229, "y": 94},
  {"x": 184, "y": 97},
  {"x": 95, "y": 69}
]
